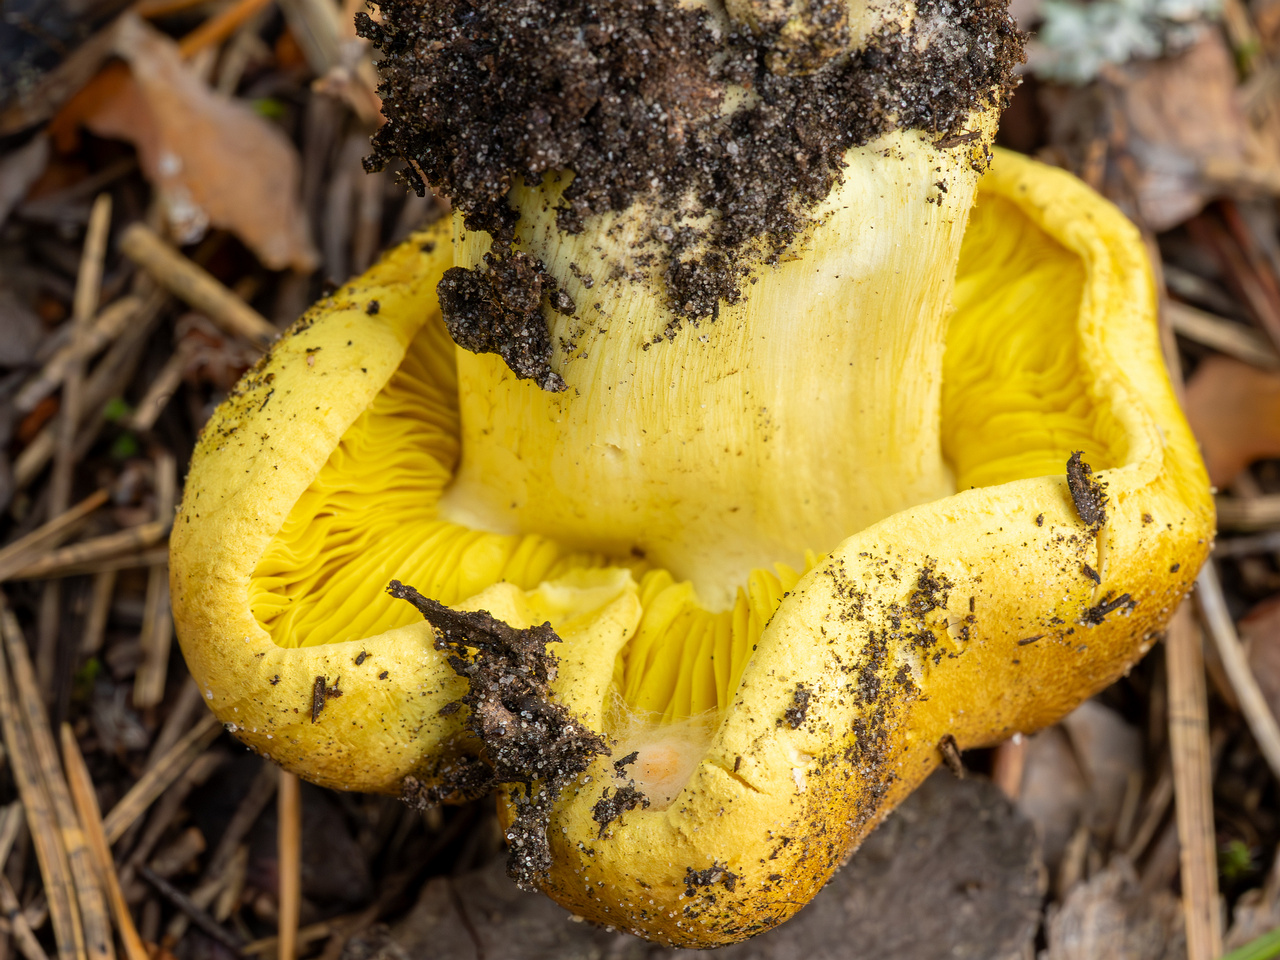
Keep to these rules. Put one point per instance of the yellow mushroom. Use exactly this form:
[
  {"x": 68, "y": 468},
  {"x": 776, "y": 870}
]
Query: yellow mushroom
[{"x": 788, "y": 554}]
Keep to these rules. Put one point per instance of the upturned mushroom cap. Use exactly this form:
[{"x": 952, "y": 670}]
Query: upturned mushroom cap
[{"x": 769, "y": 737}]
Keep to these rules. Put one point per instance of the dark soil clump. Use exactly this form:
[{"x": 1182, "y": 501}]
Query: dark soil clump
[
  {"x": 630, "y": 97},
  {"x": 527, "y": 737},
  {"x": 1087, "y": 492}
]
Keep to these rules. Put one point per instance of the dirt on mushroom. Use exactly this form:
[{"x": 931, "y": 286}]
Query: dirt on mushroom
[
  {"x": 527, "y": 737},
  {"x": 631, "y": 98}
]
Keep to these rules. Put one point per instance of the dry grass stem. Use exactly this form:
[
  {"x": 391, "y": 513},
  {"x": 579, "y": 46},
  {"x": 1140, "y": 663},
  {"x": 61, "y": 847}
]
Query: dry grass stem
[
  {"x": 198, "y": 915},
  {"x": 89, "y": 895},
  {"x": 157, "y": 620},
  {"x": 1226, "y": 336},
  {"x": 159, "y": 777},
  {"x": 69, "y": 560},
  {"x": 195, "y": 286},
  {"x": 95, "y": 621},
  {"x": 1193, "y": 785},
  {"x": 109, "y": 378},
  {"x": 219, "y": 27},
  {"x": 19, "y": 928},
  {"x": 161, "y": 391},
  {"x": 1213, "y": 609},
  {"x": 289, "y": 811},
  {"x": 1248, "y": 514},
  {"x": 86, "y": 802},
  {"x": 24, "y": 550},
  {"x": 1153, "y": 815},
  {"x": 41, "y": 818},
  {"x": 109, "y": 324}
]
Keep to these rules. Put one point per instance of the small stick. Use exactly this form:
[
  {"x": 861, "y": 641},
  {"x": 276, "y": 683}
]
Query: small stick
[
  {"x": 86, "y": 801},
  {"x": 188, "y": 708},
  {"x": 1193, "y": 787},
  {"x": 158, "y": 778},
  {"x": 1234, "y": 339},
  {"x": 198, "y": 916},
  {"x": 21, "y": 552},
  {"x": 10, "y": 825},
  {"x": 128, "y": 561},
  {"x": 40, "y": 816},
  {"x": 93, "y": 907},
  {"x": 61, "y": 562},
  {"x": 1213, "y": 611},
  {"x": 169, "y": 808},
  {"x": 217, "y": 28},
  {"x": 28, "y": 945},
  {"x": 1157, "y": 806},
  {"x": 1249, "y": 513},
  {"x": 161, "y": 390},
  {"x": 289, "y": 812},
  {"x": 196, "y": 286},
  {"x": 95, "y": 624},
  {"x": 109, "y": 324},
  {"x": 154, "y": 9},
  {"x": 107, "y": 380},
  {"x": 157, "y": 622},
  {"x": 306, "y": 935}
]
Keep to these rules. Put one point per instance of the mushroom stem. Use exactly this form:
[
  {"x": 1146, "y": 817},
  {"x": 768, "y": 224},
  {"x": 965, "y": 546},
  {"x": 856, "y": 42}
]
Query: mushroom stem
[{"x": 803, "y": 413}]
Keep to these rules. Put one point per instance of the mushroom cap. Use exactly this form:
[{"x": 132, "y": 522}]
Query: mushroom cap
[{"x": 989, "y": 612}]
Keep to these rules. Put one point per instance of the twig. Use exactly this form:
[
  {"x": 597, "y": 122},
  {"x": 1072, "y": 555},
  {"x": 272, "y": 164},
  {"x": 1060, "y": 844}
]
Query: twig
[
  {"x": 1226, "y": 547},
  {"x": 158, "y": 777},
  {"x": 109, "y": 324},
  {"x": 217, "y": 28},
  {"x": 157, "y": 622},
  {"x": 1193, "y": 787},
  {"x": 161, "y": 390},
  {"x": 21, "y": 552},
  {"x": 26, "y": 940},
  {"x": 93, "y": 908},
  {"x": 1213, "y": 610},
  {"x": 69, "y": 559},
  {"x": 289, "y": 845},
  {"x": 1234, "y": 339},
  {"x": 198, "y": 916},
  {"x": 1249, "y": 513},
  {"x": 168, "y": 810},
  {"x": 95, "y": 622},
  {"x": 128, "y": 561},
  {"x": 40, "y": 816},
  {"x": 196, "y": 286},
  {"x": 1157, "y": 806},
  {"x": 91, "y": 818},
  {"x": 107, "y": 380}
]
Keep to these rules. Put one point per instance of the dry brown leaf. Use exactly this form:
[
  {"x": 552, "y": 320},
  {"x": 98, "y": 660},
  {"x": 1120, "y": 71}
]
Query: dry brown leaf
[
  {"x": 212, "y": 160},
  {"x": 1145, "y": 132},
  {"x": 1234, "y": 410}
]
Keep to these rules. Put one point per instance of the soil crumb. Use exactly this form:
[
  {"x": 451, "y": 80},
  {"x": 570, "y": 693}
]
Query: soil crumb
[
  {"x": 795, "y": 714},
  {"x": 1087, "y": 492},
  {"x": 527, "y": 737},
  {"x": 1098, "y": 612},
  {"x": 634, "y": 99}
]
